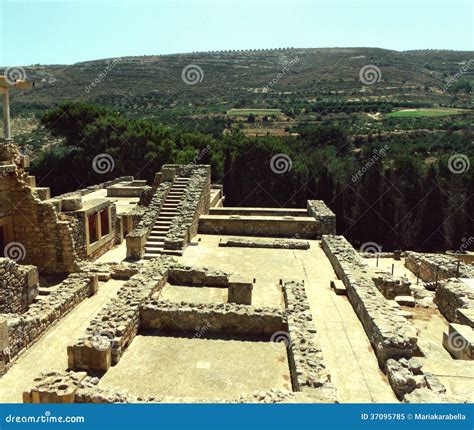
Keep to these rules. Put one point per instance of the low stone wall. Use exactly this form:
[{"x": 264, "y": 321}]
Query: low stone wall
[
  {"x": 453, "y": 295},
  {"x": 77, "y": 387},
  {"x": 194, "y": 203},
  {"x": 112, "y": 330},
  {"x": 20, "y": 331},
  {"x": 405, "y": 376},
  {"x": 96, "y": 187},
  {"x": 324, "y": 216},
  {"x": 308, "y": 370},
  {"x": 392, "y": 286},
  {"x": 18, "y": 286},
  {"x": 136, "y": 240},
  {"x": 236, "y": 225},
  {"x": 434, "y": 267},
  {"x": 264, "y": 243},
  {"x": 390, "y": 334},
  {"x": 228, "y": 318},
  {"x": 187, "y": 275}
]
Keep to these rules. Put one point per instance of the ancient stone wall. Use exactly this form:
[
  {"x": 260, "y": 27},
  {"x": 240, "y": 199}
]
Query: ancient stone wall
[
  {"x": 195, "y": 202},
  {"x": 112, "y": 330},
  {"x": 77, "y": 387},
  {"x": 434, "y": 267},
  {"x": 96, "y": 187},
  {"x": 324, "y": 216},
  {"x": 22, "y": 330},
  {"x": 47, "y": 237},
  {"x": 228, "y": 318},
  {"x": 306, "y": 357},
  {"x": 137, "y": 238},
  {"x": 451, "y": 295},
  {"x": 18, "y": 286},
  {"x": 390, "y": 334}
]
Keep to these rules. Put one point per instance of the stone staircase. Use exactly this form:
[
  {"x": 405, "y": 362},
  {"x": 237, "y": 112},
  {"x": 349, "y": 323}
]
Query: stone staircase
[{"x": 156, "y": 240}]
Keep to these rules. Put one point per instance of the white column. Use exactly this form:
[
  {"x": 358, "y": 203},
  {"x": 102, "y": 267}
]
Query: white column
[{"x": 6, "y": 116}]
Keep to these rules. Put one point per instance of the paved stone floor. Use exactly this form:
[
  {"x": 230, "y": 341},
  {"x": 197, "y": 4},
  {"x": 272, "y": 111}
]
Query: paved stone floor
[
  {"x": 50, "y": 352},
  {"x": 347, "y": 351},
  {"x": 198, "y": 367}
]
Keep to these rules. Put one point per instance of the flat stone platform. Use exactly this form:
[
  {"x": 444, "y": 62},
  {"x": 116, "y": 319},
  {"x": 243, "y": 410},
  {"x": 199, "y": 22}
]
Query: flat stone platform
[{"x": 199, "y": 367}]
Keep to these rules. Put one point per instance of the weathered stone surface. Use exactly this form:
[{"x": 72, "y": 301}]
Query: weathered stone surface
[
  {"x": 435, "y": 267},
  {"x": 324, "y": 216},
  {"x": 18, "y": 286},
  {"x": 391, "y": 335},
  {"x": 307, "y": 366},
  {"x": 264, "y": 243},
  {"x": 137, "y": 238},
  {"x": 229, "y": 318},
  {"x": 195, "y": 202},
  {"x": 405, "y": 376},
  {"x": 117, "y": 324},
  {"x": 453, "y": 295}
]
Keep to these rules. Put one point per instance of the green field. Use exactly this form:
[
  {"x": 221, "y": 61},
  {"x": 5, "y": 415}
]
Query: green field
[
  {"x": 417, "y": 113},
  {"x": 256, "y": 112}
]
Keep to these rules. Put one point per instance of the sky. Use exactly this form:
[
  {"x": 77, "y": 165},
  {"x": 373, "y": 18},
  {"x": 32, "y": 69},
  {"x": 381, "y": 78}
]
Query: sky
[{"x": 70, "y": 31}]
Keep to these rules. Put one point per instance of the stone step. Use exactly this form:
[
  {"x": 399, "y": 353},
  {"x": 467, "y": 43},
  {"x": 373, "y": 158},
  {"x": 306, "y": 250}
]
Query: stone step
[
  {"x": 175, "y": 252},
  {"x": 159, "y": 223},
  {"x": 151, "y": 251},
  {"x": 155, "y": 244}
]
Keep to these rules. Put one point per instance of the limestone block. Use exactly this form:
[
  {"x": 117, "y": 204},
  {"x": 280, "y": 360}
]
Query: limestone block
[
  {"x": 459, "y": 341},
  {"x": 339, "y": 287},
  {"x": 73, "y": 203},
  {"x": 405, "y": 301},
  {"x": 55, "y": 387},
  {"x": 43, "y": 193},
  {"x": 31, "y": 181},
  {"x": 466, "y": 316}
]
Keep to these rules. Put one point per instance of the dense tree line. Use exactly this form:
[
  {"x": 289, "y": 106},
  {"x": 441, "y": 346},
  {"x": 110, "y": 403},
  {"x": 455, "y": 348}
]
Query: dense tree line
[{"x": 399, "y": 194}]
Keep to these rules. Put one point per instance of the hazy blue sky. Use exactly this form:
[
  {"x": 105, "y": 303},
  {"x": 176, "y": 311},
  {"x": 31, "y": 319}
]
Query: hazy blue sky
[{"x": 68, "y": 31}]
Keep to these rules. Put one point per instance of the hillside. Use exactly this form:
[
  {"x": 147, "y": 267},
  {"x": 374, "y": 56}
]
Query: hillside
[{"x": 237, "y": 79}]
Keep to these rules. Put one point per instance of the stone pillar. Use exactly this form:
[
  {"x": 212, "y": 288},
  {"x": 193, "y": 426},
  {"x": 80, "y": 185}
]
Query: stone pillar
[
  {"x": 6, "y": 115},
  {"x": 93, "y": 284}
]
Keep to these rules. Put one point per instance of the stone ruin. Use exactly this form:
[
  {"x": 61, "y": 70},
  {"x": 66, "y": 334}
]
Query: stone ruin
[{"x": 66, "y": 253}]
